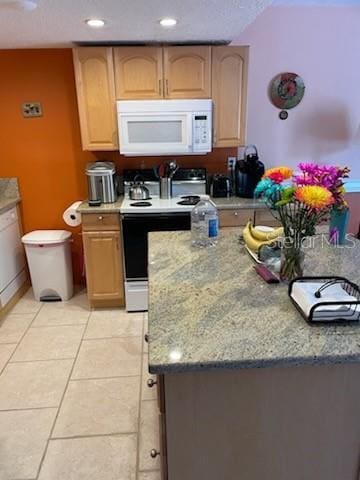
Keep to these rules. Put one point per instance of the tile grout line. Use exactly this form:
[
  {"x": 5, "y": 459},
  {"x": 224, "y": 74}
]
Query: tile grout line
[
  {"x": 15, "y": 362},
  {"x": 109, "y": 338},
  {"x": 59, "y": 325},
  {"x": 21, "y": 338},
  {"x": 61, "y": 401},
  {"x": 86, "y": 379},
  {"x": 26, "y": 409},
  {"x": 92, "y": 435}
]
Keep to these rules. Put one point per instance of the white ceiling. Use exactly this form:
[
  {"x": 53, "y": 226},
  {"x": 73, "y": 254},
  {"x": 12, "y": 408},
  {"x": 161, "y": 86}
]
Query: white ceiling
[
  {"x": 319, "y": 3},
  {"x": 57, "y": 23}
]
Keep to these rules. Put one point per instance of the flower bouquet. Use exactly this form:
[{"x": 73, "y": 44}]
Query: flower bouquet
[
  {"x": 332, "y": 178},
  {"x": 300, "y": 205}
]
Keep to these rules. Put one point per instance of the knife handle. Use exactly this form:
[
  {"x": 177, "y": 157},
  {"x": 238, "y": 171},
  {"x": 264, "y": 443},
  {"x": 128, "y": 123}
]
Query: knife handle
[{"x": 266, "y": 274}]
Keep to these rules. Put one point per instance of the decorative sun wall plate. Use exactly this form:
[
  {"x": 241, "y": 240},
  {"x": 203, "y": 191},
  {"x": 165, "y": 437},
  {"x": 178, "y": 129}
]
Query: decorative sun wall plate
[{"x": 287, "y": 90}]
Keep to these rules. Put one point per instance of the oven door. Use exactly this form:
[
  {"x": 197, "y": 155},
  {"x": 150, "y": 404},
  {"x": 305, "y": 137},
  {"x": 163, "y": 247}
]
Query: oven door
[
  {"x": 156, "y": 134},
  {"x": 135, "y": 232}
]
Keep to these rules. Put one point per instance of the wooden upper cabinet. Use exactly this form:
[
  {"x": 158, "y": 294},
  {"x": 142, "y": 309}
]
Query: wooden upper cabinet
[
  {"x": 95, "y": 86},
  {"x": 187, "y": 72},
  {"x": 229, "y": 91},
  {"x": 138, "y": 73}
]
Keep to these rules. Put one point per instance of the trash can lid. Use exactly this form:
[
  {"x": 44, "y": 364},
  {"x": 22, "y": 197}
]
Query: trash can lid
[{"x": 46, "y": 237}]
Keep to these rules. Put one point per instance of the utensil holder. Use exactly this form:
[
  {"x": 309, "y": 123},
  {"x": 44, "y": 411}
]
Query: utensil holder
[{"x": 165, "y": 187}]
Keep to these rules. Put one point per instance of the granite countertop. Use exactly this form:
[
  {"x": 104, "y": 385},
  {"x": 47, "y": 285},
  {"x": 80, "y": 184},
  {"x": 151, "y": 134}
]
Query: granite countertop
[
  {"x": 103, "y": 208},
  {"x": 208, "y": 309},
  {"x": 9, "y": 193},
  {"x": 221, "y": 203}
]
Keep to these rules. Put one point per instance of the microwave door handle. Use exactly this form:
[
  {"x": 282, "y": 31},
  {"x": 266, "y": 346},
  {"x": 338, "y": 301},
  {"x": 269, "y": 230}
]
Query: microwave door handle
[{"x": 190, "y": 132}]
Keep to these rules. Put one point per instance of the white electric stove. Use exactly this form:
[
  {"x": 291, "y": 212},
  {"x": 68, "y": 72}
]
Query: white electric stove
[
  {"x": 156, "y": 205},
  {"x": 154, "y": 215}
]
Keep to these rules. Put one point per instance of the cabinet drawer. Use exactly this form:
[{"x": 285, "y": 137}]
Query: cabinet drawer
[
  {"x": 235, "y": 217},
  {"x": 264, "y": 217},
  {"x": 100, "y": 221}
]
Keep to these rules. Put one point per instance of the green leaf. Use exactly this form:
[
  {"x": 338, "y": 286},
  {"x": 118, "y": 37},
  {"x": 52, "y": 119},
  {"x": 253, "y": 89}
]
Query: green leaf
[{"x": 287, "y": 194}]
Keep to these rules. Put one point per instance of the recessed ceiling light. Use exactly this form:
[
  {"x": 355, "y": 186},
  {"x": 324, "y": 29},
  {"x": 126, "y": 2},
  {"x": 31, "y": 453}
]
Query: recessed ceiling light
[
  {"x": 95, "y": 22},
  {"x": 168, "y": 22}
]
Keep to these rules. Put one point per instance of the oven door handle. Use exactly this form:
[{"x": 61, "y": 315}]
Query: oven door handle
[{"x": 136, "y": 217}]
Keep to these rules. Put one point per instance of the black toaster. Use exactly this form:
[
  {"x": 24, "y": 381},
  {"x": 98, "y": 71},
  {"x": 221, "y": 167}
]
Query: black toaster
[{"x": 220, "y": 186}]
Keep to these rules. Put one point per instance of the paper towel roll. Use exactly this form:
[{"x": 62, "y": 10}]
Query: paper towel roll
[{"x": 71, "y": 217}]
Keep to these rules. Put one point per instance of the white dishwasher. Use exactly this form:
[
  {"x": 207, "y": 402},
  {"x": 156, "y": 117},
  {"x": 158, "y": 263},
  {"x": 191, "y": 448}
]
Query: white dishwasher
[{"x": 12, "y": 258}]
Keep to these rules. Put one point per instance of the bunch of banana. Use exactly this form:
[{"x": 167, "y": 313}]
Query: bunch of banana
[{"x": 255, "y": 238}]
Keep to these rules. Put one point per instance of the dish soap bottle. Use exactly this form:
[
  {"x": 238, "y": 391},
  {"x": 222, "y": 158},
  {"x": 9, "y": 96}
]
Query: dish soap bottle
[{"x": 204, "y": 223}]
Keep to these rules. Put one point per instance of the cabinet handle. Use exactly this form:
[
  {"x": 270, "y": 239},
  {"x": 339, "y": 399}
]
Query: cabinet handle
[
  {"x": 151, "y": 382},
  {"x": 146, "y": 338},
  {"x": 167, "y": 87},
  {"x": 154, "y": 453},
  {"x": 101, "y": 217},
  {"x": 160, "y": 87},
  {"x": 236, "y": 214}
]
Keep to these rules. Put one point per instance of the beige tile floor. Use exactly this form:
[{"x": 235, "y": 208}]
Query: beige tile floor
[{"x": 74, "y": 403}]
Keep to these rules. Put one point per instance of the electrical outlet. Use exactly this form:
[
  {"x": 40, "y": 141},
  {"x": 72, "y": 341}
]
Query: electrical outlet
[
  {"x": 231, "y": 163},
  {"x": 31, "y": 109}
]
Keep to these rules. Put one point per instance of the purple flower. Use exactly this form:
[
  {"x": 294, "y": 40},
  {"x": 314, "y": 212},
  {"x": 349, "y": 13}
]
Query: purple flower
[{"x": 327, "y": 176}]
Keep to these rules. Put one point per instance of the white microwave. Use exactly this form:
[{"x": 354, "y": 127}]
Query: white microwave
[{"x": 164, "y": 127}]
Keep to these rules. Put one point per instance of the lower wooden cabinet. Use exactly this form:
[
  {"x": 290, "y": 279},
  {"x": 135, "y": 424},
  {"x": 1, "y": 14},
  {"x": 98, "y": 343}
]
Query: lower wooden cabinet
[
  {"x": 103, "y": 260},
  {"x": 235, "y": 217},
  {"x": 163, "y": 447},
  {"x": 238, "y": 217},
  {"x": 264, "y": 217}
]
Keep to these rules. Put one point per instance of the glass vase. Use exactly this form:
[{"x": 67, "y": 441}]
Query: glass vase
[
  {"x": 292, "y": 261},
  {"x": 339, "y": 219}
]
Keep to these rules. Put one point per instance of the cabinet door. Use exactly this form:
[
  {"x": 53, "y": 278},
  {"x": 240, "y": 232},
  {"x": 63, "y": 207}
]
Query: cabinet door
[
  {"x": 104, "y": 272},
  {"x": 264, "y": 217},
  {"x": 235, "y": 217},
  {"x": 229, "y": 80},
  {"x": 187, "y": 72},
  {"x": 95, "y": 86},
  {"x": 138, "y": 72}
]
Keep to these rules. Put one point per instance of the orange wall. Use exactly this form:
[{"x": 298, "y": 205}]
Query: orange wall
[{"x": 45, "y": 153}]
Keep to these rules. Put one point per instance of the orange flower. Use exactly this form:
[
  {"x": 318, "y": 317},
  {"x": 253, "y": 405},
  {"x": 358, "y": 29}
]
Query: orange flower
[
  {"x": 314, "y": 196},
  {"x": 285, "y": 172}
]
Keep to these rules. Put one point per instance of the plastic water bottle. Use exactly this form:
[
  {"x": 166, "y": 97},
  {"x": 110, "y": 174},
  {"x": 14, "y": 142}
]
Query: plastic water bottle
[{"x": 204, "y": 223}]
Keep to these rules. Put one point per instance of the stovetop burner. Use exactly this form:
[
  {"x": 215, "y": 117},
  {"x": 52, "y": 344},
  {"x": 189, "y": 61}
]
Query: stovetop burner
[
  {"x": 140, "y": 204},
  {"x": 189, "y": 200}
]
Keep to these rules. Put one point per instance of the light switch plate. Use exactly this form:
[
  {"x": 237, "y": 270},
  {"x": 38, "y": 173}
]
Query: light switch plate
[{"x": 32, "y": 109}]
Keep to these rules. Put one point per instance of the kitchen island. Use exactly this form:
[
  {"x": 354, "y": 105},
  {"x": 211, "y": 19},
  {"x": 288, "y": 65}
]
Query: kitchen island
[{"x": 247, "y": 388}]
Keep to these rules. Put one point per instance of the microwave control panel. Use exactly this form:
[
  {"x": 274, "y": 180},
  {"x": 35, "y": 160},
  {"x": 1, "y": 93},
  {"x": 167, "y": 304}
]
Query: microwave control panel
[{"x": 202, "y": 132}]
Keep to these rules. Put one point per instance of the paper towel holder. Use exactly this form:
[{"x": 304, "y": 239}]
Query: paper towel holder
[{"x": 353, "y": 307}]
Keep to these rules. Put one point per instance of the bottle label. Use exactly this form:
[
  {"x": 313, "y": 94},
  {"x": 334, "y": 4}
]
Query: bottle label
[{"x": 213, "y": 227}]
